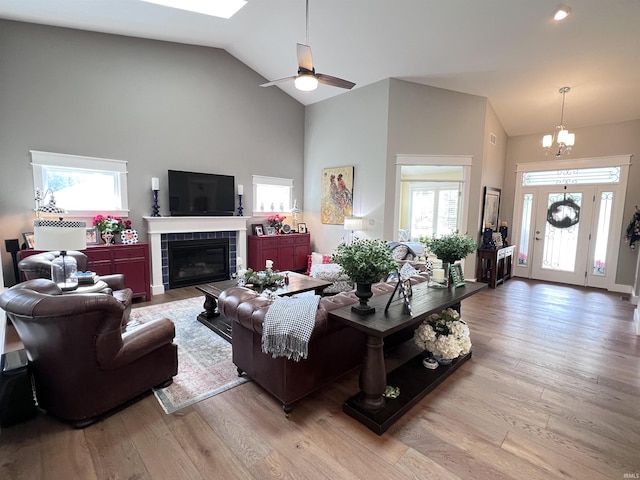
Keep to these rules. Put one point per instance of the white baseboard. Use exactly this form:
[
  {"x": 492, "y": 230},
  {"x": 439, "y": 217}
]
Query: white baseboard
[{"x": 636, "y": 319}]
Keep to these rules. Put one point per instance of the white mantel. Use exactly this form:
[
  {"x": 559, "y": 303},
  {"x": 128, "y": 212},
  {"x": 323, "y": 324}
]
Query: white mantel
[{"x": 156, "y": 226}]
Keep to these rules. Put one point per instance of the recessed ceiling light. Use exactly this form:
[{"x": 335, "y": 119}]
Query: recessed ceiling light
[
  {"x": 215, "y": 8},
  {"x": 561, "y": 13}
]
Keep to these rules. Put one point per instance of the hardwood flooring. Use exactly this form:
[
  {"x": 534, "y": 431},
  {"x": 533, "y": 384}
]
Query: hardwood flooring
[{"x": 552, "y": 392}]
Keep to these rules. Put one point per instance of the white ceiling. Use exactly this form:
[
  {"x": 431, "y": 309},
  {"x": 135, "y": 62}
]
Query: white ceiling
[{"x": 509, "y": 51}]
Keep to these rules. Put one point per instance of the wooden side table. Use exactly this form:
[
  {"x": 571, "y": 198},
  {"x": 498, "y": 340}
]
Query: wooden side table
[{"x": 494, "y": 265}]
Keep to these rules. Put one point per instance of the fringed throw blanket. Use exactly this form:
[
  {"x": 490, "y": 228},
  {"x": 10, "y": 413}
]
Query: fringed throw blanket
[{"x": 288, "y": 325}]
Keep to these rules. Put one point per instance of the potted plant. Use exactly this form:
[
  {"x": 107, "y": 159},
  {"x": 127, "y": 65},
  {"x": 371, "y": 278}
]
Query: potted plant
[
  {"x": 451, "y": 247},
  {"x": 365, "y": 262},
  {"x": 444, "y": 335}
]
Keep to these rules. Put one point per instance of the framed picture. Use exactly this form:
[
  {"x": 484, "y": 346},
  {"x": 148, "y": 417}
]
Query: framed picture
[
  {"x": 129, "y": 237},
  {"x": 457, "y": 275},
  {"x": 405, "y": 289},
  {"x": 28, "y": 239},
  {"x": 254, "y": 228},
  {"x": 302, "y": 228},
  {"x": 271, "y": 231},
  {"x": 336, "y": 195},
  {"x": 490, "y": 208},
  {"x": 92, "y": 236}
]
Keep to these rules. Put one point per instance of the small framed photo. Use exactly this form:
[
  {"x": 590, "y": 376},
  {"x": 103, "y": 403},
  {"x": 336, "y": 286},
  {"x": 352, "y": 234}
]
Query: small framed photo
[
  {"x": 129, "y": 237},
  {"x": 28, "y": 239},
  {"x": 271, "y": 231},
  {"x": 92, "y": 236},
  {"x": 255, "y": 227},
  {"x": 258, "y": 230},
  {"x": 405, "y": 288},
  {"x": 302, "y": 228},
  {"x": 457, "y": 275}
]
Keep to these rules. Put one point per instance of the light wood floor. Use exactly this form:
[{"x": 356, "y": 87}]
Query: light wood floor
[{"x": 552, "y": 392}]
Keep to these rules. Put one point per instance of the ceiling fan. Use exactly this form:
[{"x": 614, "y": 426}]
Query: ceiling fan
[{"x": 307, "y": 78}]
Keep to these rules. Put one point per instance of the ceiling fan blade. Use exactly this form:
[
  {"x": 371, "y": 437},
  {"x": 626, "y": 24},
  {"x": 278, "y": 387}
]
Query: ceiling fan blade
[
  {"x": 280, "y": 80},
  {"x": 304, "y": 57},
  {"x": 334, "y": 81}
]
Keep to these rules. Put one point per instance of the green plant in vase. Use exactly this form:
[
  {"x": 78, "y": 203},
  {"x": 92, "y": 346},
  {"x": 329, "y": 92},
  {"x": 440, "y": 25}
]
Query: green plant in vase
[
  {"x": 451, "y": 247},
  {"x": 365, "y": 262}
]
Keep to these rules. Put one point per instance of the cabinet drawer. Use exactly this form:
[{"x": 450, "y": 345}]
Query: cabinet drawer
[
  {"x": 98, "y": 254},
  {"x": 286, "y": 241},
  {"x": 129, "y": 252},
  {"x": 269, "y": 242},
  {"x": 301, "y": 240}
]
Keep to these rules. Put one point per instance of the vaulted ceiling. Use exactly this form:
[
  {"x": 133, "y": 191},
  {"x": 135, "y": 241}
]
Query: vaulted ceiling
[{"x": 509, "y": 51}]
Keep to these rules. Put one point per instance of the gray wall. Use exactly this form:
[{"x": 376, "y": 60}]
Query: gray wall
[
  {"x": 158, "y": 105},
  {"x": 599, "y": 141}
]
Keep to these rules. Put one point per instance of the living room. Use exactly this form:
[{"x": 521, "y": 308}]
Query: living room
[{"x": 159, "y": 105}]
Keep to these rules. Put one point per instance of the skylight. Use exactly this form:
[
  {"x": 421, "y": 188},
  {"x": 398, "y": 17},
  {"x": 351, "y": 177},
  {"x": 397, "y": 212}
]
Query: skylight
[{"x": 215, "y": 8}]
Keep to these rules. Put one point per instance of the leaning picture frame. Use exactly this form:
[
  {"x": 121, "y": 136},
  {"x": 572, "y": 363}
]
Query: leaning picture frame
[
  {"x": 254, "y": 228},
  {"x": 302, "y": 228},
  {"x": 271, "y": 231},
  {"x": 29, "y": 239},
  {"x": 490, "y": 208},
  {"x": 92, "y": 236},
  {"x": 258, "y": 230},
  {"x": 456, "y": 275}
]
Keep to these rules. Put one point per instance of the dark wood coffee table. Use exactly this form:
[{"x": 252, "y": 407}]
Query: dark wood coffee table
[
  {"x": 212, "y": 318},
  {"x": 414, "y": 380}
]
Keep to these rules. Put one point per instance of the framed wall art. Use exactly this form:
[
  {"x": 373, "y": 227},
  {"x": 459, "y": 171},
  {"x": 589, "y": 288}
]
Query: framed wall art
[
  {"x": 336, "y": 195},
  {"x": 490, "y": 208}
]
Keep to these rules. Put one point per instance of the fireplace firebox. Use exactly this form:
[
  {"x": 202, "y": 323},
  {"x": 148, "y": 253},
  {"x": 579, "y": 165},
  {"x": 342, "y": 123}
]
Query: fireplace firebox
[{"x": 192, "y": 262}]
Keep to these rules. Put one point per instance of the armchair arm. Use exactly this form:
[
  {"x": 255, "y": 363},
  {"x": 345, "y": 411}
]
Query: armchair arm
[
  {"x": 115, "y": 281},
  {"x": 139, "y": 342}
]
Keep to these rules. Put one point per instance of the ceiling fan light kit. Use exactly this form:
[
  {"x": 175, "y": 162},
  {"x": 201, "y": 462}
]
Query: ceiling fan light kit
[
  {"x": 563, "y": 138},
  {"x": 307, "y": 78}
]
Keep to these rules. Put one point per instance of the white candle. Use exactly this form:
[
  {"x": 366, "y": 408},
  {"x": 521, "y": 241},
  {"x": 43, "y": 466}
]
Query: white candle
[
  {"x": 155, "y": 183},
  {"x": 240, "y": 189},
  {"x": 239, "y": 262},
  {"x": 438, "y": 274},
  {"x": 269, "y": 264}
]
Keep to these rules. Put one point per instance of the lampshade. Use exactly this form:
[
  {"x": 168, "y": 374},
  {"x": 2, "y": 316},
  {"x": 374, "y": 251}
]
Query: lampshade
[
  {"x": 306, "y": 82},
  {"x": 59, "y": 235},
  {"x": 353, "y": 223}
]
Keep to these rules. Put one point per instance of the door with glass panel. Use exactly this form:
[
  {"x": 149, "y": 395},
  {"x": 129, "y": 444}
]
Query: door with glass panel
[{"x": 570, "y": 234}]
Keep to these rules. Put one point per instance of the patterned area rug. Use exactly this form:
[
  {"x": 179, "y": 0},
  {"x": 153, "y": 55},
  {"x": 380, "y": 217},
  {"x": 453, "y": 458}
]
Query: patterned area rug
[{"x": 204, "y": 358}]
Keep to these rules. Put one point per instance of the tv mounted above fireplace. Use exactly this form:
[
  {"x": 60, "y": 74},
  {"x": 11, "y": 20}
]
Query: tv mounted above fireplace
[{"x": 201, "y": 194}]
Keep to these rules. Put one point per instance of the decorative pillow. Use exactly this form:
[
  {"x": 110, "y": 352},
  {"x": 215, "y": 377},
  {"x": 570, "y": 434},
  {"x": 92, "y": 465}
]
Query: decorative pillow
[
  {"x": 407, "y": 271},
  {"x": 399, "y": 252},
  {"x": 316, "y": 258}
]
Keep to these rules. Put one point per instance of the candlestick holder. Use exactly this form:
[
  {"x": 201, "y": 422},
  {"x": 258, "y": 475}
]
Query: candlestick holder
[
  {"x": 155, "y": 207},
  {"x": 240, "y": 210}
]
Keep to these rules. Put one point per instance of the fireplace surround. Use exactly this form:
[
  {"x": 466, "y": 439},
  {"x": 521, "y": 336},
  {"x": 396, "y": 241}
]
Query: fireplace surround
[{"x": 161, "y": 230}]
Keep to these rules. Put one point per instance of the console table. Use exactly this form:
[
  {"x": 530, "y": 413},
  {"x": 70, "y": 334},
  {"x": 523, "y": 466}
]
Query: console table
[
  {"x": 413, "y": 379},
  {"x": 494, "y": 265}
]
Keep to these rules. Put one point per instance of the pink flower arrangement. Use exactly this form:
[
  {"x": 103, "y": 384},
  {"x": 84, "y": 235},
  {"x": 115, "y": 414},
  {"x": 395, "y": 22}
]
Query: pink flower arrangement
[
  {"x": 276, "y": 221},
  {"x": 111, "y": 224}
]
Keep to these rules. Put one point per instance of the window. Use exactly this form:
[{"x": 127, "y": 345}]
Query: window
[
  {"x": 271, "y": 194},
  {"x": 83, "y": 186}
]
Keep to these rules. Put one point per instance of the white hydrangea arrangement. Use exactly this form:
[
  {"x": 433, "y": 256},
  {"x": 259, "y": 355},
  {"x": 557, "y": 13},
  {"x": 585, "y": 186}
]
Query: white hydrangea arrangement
[{"x": 444, "y": 334}]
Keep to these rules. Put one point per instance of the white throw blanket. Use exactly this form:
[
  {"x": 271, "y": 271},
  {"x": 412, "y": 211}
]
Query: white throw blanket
[{"x": 288, "y": 325}]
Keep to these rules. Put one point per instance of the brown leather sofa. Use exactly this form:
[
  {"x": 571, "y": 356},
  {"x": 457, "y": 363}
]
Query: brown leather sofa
[
  {"x": 84, "y": 363},
  {"x": 334, "y": 349}
]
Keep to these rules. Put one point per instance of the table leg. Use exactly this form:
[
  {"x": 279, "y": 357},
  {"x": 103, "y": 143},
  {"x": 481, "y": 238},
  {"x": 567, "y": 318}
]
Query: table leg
[
  {"x": 210, "y": 307},
  {"x": 373, "y": 376}
]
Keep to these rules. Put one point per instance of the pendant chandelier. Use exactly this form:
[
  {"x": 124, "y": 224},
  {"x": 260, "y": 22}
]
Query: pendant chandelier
[{"x": 561, "y": 136}]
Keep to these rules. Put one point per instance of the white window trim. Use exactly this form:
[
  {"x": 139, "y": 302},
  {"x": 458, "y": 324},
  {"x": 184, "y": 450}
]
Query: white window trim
[
  {"x": 263, "y": 180},
  {"x": 40, "y": 159}
]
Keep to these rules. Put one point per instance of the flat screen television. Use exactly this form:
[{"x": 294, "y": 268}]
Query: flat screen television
[{"x": 201, "y": 194}]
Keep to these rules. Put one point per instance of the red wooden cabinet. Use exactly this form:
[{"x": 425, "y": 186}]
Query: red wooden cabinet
[
  {"x": 130, "y": 260},
  {"x": 288, "y": 252}
]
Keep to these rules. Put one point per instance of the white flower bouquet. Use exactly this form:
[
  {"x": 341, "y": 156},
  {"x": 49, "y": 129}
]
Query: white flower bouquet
[{"x": 444, "y": 335}]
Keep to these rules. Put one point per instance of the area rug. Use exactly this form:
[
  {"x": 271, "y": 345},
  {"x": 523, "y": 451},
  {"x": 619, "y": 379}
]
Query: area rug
[{"x": 205, "y": 367}]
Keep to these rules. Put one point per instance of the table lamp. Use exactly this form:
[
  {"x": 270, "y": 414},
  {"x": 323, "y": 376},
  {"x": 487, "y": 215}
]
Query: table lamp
[{"x": 63, "y": 236}]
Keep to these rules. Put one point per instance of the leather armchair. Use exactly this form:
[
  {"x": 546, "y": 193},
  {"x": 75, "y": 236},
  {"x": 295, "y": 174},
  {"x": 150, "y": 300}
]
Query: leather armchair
[
  {"x": 39, "y": 266},
  {"x": 84, "y": 363}
]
